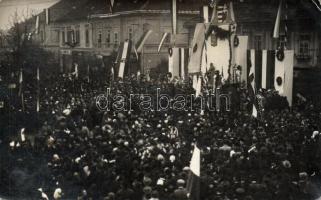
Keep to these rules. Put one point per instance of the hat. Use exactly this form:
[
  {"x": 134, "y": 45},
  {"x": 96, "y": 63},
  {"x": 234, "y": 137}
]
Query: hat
[{"x": 180, "y": 182}]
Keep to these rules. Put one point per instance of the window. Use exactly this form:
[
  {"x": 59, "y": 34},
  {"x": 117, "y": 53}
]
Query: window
[
  {"x": 77, "y": 36},
  {"x": 70, "y": 36},
  {"x": 130, "y": 33},
  {"x": 87, "y": 37},
  {"x": 116, "y": 39},
  {"x": 99, "y": 40},
  {"x": 108, "y": 41},
  {"x": 258, "y": 42},
  {"x": 304, "y": 45},
  {"x": 63, "y": 37}
]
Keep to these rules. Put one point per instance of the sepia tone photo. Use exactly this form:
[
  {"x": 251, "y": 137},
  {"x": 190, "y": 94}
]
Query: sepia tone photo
[{"x": 160, "y": 100}]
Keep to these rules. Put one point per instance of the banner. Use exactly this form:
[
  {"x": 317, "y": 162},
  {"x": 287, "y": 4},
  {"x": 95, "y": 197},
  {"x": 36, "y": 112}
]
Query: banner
[{"x": 194, "y": 65}]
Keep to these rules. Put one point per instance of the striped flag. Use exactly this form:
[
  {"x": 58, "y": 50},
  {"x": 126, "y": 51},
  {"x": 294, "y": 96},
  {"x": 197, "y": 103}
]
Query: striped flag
[
  {"x": 140, "y": 44},
  {"x": 162, "y": 41},
  {"x": 194, "y": 65},
  {"x": 124, "y": 51},
  {"x": 276, "y": 31},
  {"x": 193, "y": 182},
  {"x": 174, "y": 17}
]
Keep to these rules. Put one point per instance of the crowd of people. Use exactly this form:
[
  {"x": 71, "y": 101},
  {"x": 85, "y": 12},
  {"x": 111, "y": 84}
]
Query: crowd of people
[{"x": 73, "y": 150}]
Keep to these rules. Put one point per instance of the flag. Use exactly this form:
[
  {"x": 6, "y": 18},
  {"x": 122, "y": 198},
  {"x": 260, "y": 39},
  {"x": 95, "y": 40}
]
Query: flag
[
  {"x": 125, "y": 48},
  {"x": 47, "y": 16},
  {"x": 38, "y": 90},
  {"x": 276, "y": 31},
  {"x": 162, "y": 41},
  {"x": 193, "y": 182},
  {"x": 194, "y": 65},
  {"x": 38, "y": 74},
  {"x": 177, "y": 61},
  {"x": 173, "y": 61},
  {"x": 139, "y": 45},
  {"x": 37, "y": 24},
  {"x": 251, "y": 83},
  {"x": 174, "y": 17}
]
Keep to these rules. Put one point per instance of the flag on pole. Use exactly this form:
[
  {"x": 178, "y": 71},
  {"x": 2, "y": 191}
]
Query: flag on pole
[
  {"x": 139, "y": 45},
  {"x": 251, "y": 81},
  {"x": 193, "y": 182},
  {"x": 174, "y": 17},
  {"x": 276, "y": 31},
  {"x": 124, "y": 53},
  {"x": 162, "y": 41},
  {"x": 194, "y": 65}
]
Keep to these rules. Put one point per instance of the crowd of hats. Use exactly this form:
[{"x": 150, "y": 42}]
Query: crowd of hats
[{"x": 93, "y": 154}]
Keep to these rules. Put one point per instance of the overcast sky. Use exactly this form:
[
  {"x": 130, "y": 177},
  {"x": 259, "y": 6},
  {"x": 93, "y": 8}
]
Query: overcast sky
[{"x": 24, "y": 8}]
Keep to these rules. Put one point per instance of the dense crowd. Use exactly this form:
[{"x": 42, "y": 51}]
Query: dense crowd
[{"x": 80, "y": 152}]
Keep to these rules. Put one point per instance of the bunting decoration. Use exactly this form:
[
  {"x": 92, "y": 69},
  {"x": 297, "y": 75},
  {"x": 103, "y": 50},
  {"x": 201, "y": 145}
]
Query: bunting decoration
[{"x": 271, "y": 73}]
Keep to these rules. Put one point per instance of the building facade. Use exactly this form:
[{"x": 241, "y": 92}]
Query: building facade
[{"x": 86, "y": 31}]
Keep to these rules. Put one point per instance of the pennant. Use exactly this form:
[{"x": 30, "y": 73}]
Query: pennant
[
  {"x": 193, "y": 182},
  {"x": 140, "y": 44},
  {"x": 162, "y": 41},
  {"x": 173, "y": 61},
  {"x": 194, "y": 65},
  {"x": 276, "y": 31},
  {"x": 37, "y": 25},
  {"x": 174, "y": 17}
]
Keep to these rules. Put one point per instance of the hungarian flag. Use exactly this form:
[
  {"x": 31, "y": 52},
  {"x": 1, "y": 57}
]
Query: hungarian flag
[
  {"x": 193, "y": 182},
  {"x": 162, "y": 41},
  {"x": 276, "y": 31},
  {"x": 194, "y": 65},
  {"x": 123, "y": 53}
]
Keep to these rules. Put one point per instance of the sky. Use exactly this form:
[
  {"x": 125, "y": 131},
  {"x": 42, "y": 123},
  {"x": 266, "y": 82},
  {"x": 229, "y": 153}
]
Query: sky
[{"x": 23, "y": 7}]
